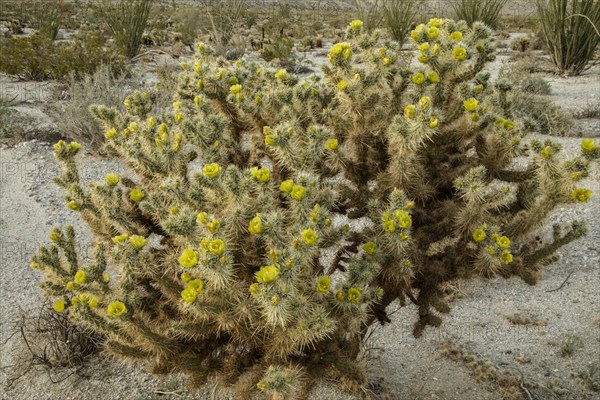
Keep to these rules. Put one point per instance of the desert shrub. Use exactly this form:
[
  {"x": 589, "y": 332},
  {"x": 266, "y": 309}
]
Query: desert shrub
[
  {"x": 13, "y": 125},
  {"x": 539, "y": 112},
  {"x": 46, "y": 17},
  {"x": 520, "y": 73},
  {"x": 72, "y": 100},
  {"x": 225, "y": 21},
  {"x": 486, "y": 11},
  {"x": 127, "y": 21},
  {"x": 521, "y": 43},
  {"x": 267, "y": 222},
  {"x": 48, "y": 341},
  {"x": 398, "y": 16},
  {"x": 572, "y": 32},
  {"x": 37, "y": 57},
  {"x": 280, "y": 50}
]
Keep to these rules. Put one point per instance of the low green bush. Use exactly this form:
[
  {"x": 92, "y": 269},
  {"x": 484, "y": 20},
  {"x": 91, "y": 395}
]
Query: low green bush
[{"x": 38, "y": 57}]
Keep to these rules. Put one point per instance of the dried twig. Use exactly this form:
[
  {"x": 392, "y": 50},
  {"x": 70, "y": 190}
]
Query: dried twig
[{"x": 562, "y": 284}]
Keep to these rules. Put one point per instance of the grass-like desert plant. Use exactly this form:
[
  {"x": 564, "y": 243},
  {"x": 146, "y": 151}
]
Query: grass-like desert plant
[
  {"x": 486, "y": 11},
  {"x": 398, "y": 16},
  {"x": 267, "y": 222},
  {"x": 73, "y": 98},
  {"x": 572, "y": 32},
  {"x": 127, "y": 21}
]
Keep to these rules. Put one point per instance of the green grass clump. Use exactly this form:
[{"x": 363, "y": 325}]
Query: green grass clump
[
  {"x": 486, "y": 11},
  {"x": 127, "y": 21},
  {"x": 572, "y": 32}
]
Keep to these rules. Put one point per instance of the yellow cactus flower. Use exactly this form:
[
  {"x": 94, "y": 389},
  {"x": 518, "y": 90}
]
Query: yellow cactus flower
[
  {"x": 342, "y": 85},
  {"x": 386, "y": 61},
  {"x": 281, "y": 74},
  {"x": 433, "y": 77},
  {"x": 213, "y": 226},
  {"x": 433, "y": 123},
  {"x": 389, "y": 226},
  {"x": 270, "y": 140},
  {"x": 268, "y": 273},
  {"x": 287, "y": 186},
  {"x": 185, "y": 277},
  {"x": 263, "y": 175},
  {"x": 138, "y": 241},
  {"x": 235, "y": 89},
  {"x": 410, "y": 111},
  {"x": 189, "y": 258},
  {"x": 59, "y": 306},
  {"x": 491, "y": 250},
  {"x": 418, "y": 78},
  {"x": 478, "y": 89},
  {"x": 309, "y": 237},
  {"x": 437, "y": 22},
  {"x": 474, "y": 117},
  {"x": 34, "y": 265},
  {"x": 423, "y": 58},
  {"x": 588, "y": 146},
  {"x": 174, "y": 210},
  {"x": 80, "y": 277},
  {"x": 179, "y": 117},
  {"x": 93, "y": 302},
  {"x": 204, "y": 244},
  {"x": 323, "y": 284},
  {"x": 189, "y": 295},
  {"x": 340, "y": 296},
  {"x": 370, "y": 248},
  {"x": 546, "y": 152},
  {"x": 331, "y": 144},
  {"x": 202, "y": 218},
  {"x": 456, "y": 36},
  {"x": 196, "y": 285},
  {"x": 433, "y": 32},
  {"x": 471, "y": 104},
  {"x": 233, "y": 80},
  {"x": 404, "y": 219},
  {"x": 582, "y": 195},
  {"x": 106, "y": 277},
  {"x": 136, "y": 194},
  {"x": 354, "y": 295},
  {"x": 73, "y": 205},
  {"x": 111, "y": 133},
  {"x": 403, "y": 237},
  {"x": 436, "y": 49},
  {"x": 201, "y": 47},
  {"x": 112, "y": 179},
  {"x": 120, "y": 238},
  {"x": 503, "y": 242},
  {"x": 255, "y": 226},
  {"x": 479, "y": 235},
  {"x": 211, "y": 171},
  {"x": 424, "y": 102},
  {"x": 423, "y": 47},
  {"x": 298, "y": 192},
  {"x": 116, "y": 309},
  {"x": 506, "y": 257},
  {"x": 459, "y": 53},
  {"x": 356, "y": 25},
  {"x": 217, "y": 247}
]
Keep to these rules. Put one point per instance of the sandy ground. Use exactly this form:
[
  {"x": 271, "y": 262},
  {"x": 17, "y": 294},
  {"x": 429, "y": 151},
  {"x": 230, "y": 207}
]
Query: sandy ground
[{"x": 400, "y": 365}]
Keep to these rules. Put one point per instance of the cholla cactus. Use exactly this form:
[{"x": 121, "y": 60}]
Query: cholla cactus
[{"x": 269, "y": 221}]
